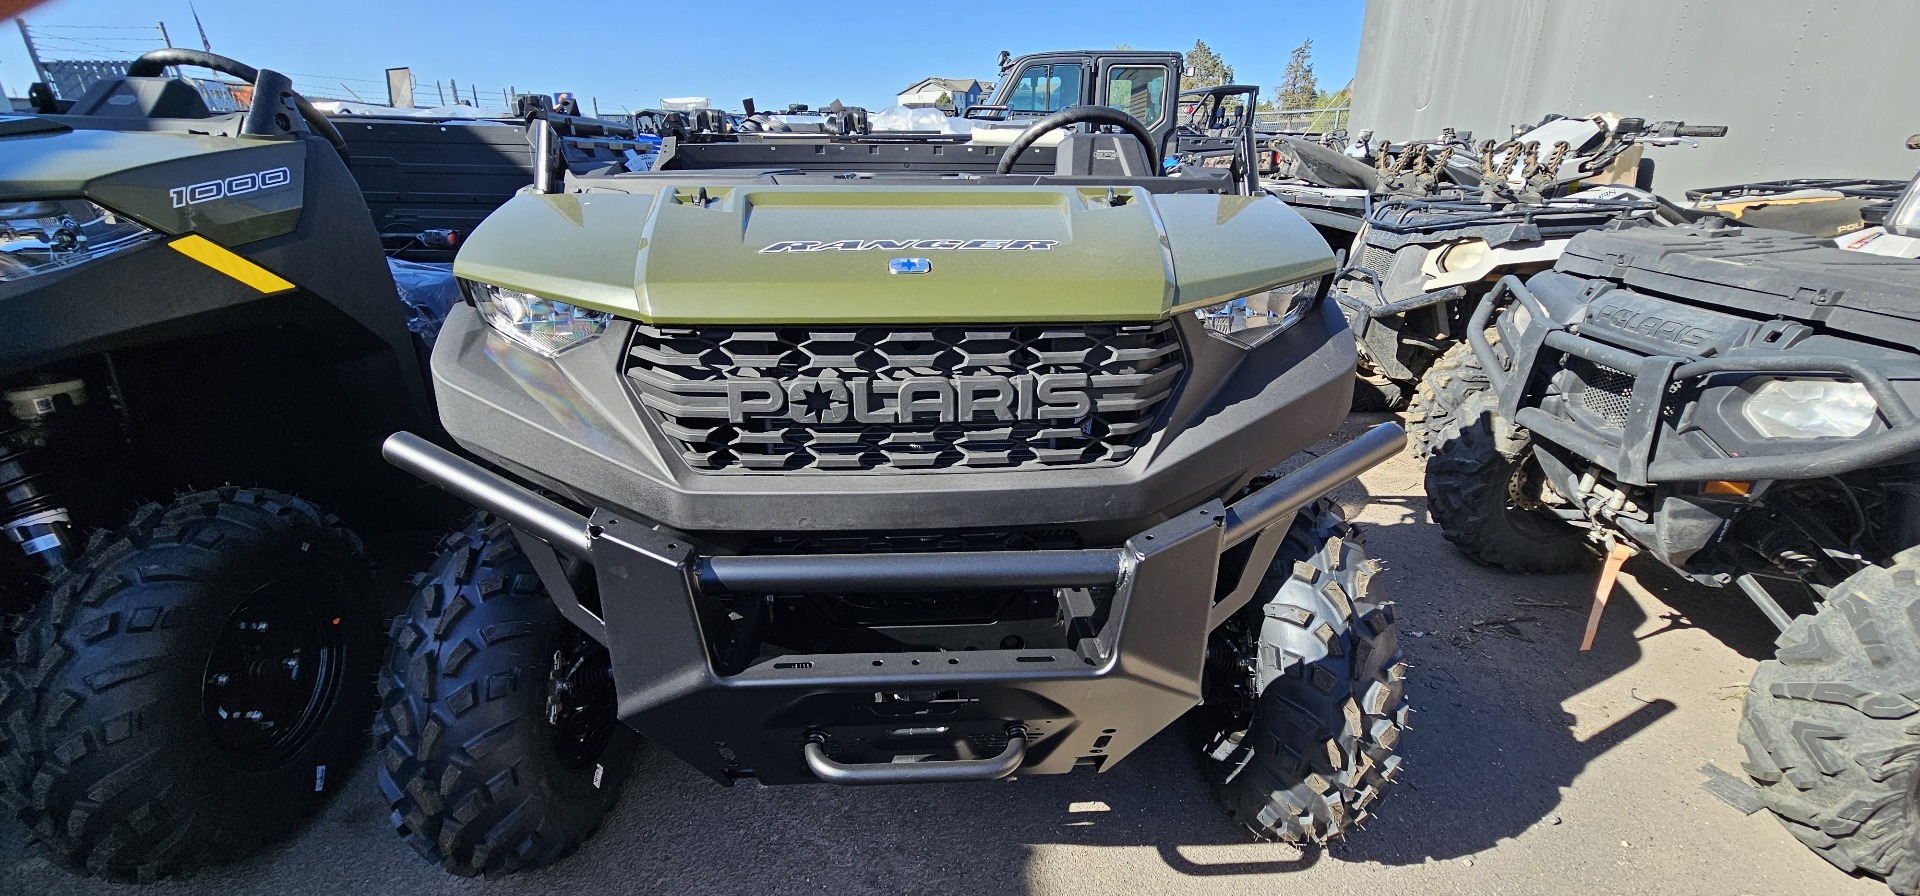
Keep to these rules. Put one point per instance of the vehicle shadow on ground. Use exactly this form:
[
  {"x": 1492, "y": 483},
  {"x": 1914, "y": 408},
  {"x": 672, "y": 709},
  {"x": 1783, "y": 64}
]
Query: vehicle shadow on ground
[{"x": 1509, "y": 712}]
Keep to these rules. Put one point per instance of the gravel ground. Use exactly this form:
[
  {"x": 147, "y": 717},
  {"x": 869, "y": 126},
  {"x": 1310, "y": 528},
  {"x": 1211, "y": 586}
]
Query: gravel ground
[{"x": 1531, "y": 768}]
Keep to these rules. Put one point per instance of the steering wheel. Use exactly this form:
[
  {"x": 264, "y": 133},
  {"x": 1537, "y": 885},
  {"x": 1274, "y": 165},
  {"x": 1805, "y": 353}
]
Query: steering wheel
[
  {"x": 155, "y": 63},
  {"x": 1073, "y": 115}
]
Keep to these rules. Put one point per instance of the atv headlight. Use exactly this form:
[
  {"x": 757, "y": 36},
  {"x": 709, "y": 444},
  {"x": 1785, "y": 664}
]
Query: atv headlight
[
  {"x": 1792, "y": 408},
  {"x": 48, "y": 234},
  {"x": 1461, "y": 256},
  {"x": 541, "y": 324},
  {"x": 1251, "y": 320}
]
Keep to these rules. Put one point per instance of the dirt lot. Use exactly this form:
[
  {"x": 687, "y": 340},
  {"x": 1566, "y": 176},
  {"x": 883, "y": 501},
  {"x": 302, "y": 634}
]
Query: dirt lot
[{"x": 1532, "y": 768}]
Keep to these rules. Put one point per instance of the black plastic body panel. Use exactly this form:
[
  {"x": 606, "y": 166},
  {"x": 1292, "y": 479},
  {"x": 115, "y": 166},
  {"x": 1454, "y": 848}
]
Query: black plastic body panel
[{"x": 1075, "y": 706}]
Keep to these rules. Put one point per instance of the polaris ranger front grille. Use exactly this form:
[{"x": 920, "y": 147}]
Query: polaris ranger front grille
[{"x": 890, "y": 399}]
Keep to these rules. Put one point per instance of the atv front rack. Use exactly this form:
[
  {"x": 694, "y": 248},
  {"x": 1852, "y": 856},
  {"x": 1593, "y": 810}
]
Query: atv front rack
[{"x": 857, "y": 718}]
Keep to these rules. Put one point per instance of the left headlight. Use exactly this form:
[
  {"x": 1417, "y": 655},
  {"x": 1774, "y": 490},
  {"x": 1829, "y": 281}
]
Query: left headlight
[
  {"x": 49, "y": 234},
  {"x": 541, "y": 324},
  {"x": 1793, "y": 408},
  {"x": 1253, "y": 319}
]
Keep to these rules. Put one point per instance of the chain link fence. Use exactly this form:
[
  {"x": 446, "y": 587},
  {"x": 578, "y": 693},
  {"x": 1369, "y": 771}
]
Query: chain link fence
[{"x": 1303, "y": 121}]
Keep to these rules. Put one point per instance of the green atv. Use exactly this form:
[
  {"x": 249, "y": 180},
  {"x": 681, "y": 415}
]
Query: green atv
[
  {"x": 201, "y": 323},
  {"x": 871, "y": 458}
]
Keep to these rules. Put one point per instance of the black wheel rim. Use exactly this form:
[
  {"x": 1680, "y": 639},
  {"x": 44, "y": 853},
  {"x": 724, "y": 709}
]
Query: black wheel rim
[
  {"x": 1526, "y": 514},
  {"x": 273, "y": 675},
  {"x": 581, "y": 706}
]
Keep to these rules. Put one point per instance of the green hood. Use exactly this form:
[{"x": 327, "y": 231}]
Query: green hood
[
  {"x": 137, "y": 173},
  {"x": 672, "y": 253}
]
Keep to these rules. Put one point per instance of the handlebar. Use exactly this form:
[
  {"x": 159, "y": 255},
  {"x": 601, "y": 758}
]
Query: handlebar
[{"x": 1719, "y": 130}]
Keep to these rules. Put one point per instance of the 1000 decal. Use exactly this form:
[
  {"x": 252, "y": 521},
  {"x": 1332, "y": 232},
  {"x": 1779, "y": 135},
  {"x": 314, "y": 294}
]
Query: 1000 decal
[{"x": 225, "y": 188}]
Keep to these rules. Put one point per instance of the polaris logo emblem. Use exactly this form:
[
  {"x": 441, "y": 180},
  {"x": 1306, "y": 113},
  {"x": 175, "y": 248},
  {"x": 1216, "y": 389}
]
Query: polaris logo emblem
[
  {"x": 909, "y": 266},
  {"x": 910, "y": 246},
  {"x": 237, "y": 185},
  {"x": 960, "y": 399},
  {"x": 1631, "y": 320}
]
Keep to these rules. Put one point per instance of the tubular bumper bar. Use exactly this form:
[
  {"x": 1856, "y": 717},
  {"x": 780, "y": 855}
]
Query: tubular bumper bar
[
  {"x": 1042, "y": 710},
  {"x": 570, "y": 532},
  {"x": 1632, "y": 453}
]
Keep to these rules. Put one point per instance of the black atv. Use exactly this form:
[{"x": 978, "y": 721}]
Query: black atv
[
  {"x": 1738, "y": 404},
  {"x": 203, "y": 344},
  {"x": 1447, "y": 219},
  {"x": 890, "y": 458}
]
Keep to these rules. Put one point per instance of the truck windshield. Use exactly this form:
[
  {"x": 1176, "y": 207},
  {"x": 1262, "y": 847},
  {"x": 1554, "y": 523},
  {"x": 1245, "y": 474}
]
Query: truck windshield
[
  {"x": 1045, "y": 87},
  {"x": 1905, "y": 218}
]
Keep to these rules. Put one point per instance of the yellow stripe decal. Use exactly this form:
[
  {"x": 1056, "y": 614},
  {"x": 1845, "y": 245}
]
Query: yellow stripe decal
[{"x": 222, "y": 259}]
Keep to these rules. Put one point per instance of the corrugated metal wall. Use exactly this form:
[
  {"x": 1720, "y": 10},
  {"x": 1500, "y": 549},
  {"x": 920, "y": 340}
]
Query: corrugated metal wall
[{"x": 1807, "y": 89}]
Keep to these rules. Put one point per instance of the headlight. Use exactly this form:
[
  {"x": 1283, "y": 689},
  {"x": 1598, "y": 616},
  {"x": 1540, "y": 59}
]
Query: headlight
[
  {"x": 1787, "y": 408},
  {"x": 49, "y": 234},
  {"x": 1461, "y": 256},
  {"x": 541, "y": 324},
  {"x": 1251, "y": 320}
]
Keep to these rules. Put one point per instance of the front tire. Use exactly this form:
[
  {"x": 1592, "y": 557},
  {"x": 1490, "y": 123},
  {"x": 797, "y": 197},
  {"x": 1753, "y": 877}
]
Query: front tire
[
  {"x": 500, "y": 746},
  {"x": 1829, "y": 728},
  {"x": 1306, "y": 691},
  {"x": 193, "y": 688},
  {"x": 1437, "y": 398},
  {"x": 1479, "y": 481}
]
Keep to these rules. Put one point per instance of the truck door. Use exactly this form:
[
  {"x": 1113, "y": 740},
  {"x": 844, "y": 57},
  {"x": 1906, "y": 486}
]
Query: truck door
[{"x": 1141, "y": 87}]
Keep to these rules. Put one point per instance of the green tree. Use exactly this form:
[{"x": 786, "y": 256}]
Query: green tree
[
  {"x": 1298, "y": 89},
  {"x": 1205, "y": 68}
]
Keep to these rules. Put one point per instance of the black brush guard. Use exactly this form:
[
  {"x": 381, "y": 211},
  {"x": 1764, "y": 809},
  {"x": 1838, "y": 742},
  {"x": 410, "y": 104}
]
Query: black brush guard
[
  {"x": 784, "y": 719},
  {"x": 1632, "y": 454}
]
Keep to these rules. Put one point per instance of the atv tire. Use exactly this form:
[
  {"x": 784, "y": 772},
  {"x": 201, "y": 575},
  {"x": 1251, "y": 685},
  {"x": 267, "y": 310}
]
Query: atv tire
[
  {"x": 501, "y": 750},
  {"x": 1441, "y": 391},
  {"x": 1300, "y": 747},
  {"x": 1830, "y": 721},
  {"x": 134, "y": 753},
  {"x": 1480, "y": 464}
]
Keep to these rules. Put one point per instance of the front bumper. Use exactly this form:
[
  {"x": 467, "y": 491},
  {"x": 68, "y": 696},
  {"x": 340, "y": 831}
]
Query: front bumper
[
  {"x": 853, "y": 717},
  {"x": 1635, "y": 451}
]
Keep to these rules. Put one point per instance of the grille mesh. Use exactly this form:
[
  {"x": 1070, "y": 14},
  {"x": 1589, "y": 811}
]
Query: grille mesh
[
  {"x": 1607, "y": 393},
  {"x": 683, "y": 375},
  {"x": 1376, "y": 259}
]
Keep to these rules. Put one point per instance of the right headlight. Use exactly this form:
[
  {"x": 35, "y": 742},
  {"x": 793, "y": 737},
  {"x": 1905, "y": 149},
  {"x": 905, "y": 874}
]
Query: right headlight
[
  {"x": 1252, "y": 319},
  {"x": 44, "y": 235},
  {"x": 1797, "y": 408},
  {"x": 539, "y": 323}
]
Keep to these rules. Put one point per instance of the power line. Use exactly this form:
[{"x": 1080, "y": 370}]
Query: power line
[{"x": 96, "y": 27}]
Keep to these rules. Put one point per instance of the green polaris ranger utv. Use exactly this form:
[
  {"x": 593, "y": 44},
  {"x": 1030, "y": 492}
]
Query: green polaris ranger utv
[
  {"x": 888, "y": 458},
  {"x": 202, "y": 343}
]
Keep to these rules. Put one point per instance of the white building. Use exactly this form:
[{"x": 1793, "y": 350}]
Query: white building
[{"x": 961, "y": 94}]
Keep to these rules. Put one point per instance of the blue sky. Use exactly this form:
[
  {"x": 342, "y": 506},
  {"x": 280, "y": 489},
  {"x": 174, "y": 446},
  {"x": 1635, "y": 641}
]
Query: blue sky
[{"x": 633, "y": 54}]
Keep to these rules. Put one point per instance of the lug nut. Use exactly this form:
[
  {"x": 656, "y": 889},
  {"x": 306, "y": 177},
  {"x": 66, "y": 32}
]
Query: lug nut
[{"x": 220, "y": 681}]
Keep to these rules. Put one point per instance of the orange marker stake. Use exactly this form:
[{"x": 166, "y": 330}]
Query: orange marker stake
[{"x": 1615, "y": 559}]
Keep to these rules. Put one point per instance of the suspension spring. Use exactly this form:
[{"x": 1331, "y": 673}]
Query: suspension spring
[{"x": 35, "y": 518}]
